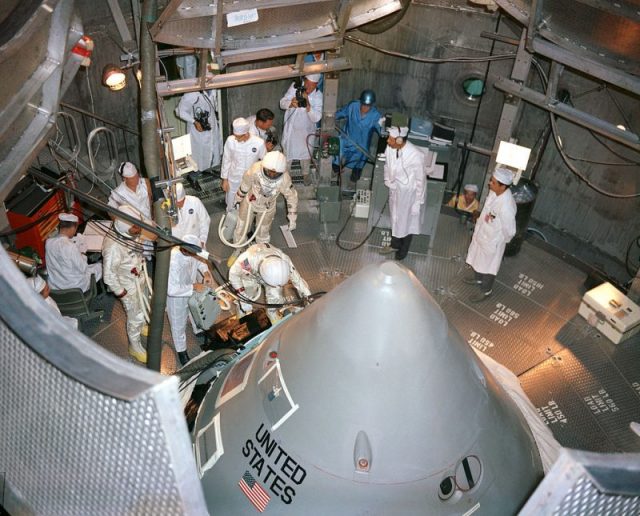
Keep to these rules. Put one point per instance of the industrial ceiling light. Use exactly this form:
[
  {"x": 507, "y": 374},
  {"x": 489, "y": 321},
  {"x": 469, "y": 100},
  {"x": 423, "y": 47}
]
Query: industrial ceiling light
[{"x": 113, "y": 77}]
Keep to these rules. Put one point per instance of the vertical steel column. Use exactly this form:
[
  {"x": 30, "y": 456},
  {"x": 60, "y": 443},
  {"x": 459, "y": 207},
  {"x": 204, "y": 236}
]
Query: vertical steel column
[
  {"x": 512, "y": 107},
  {"x": 151, "y": 155}
]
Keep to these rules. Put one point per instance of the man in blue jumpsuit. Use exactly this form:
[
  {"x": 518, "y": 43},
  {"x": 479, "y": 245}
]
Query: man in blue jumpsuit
[{"x": 362, "y": 118}]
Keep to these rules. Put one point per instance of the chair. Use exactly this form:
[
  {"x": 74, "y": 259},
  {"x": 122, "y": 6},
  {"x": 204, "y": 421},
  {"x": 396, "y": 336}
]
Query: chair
[{"x": 72, "y": 302}]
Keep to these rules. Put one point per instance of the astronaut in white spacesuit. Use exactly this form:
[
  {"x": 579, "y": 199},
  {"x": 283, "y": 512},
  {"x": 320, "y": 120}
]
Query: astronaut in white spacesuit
[
  {"x": 258, "y": 193},
  {"x": 124, "y": 274},
  {"x": 263, "y": 265}
]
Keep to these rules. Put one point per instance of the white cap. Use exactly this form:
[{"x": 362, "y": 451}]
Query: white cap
[
  {"x": 471, "y": 188},
  {"x": 128, "y": 169},
  {"x": 314, "y": 77},
  {"x": 505, "y": 176},
  {"x": 274, "y": 271},
  {"x": 398, "y": 132},
  {"x": 68, "y": 217},
  {"x": 38, "y": 283},
  {"x": 179, "y": 192},
  {"x": 123, "y": 226},
  {"x": 240, "y": 126},
  {"x": 275, "y": 160},
  {"x": 191, "y": 239}
]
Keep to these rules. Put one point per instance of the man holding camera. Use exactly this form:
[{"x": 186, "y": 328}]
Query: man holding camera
[
  {"x": 261, "y": 124},
  {"x": 199, "y": 110},
  {"x": 303, "y": 106}
]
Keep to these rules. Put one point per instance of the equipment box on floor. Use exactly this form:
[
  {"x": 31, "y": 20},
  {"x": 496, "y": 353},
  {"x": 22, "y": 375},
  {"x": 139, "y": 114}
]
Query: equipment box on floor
[{"x": 610, "y": 312}]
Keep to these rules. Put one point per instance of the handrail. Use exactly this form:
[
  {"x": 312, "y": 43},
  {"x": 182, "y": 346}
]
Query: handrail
[
  {"x": 113, "y": 150},
  {"x": 97, "y": 117}
]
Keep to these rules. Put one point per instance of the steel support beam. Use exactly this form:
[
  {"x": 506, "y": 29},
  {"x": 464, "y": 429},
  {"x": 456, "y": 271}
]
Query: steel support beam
[
  {"x": 588, "y": 66},
  {"x": 576, "y": 116},
  {"x": 245, "y": 77}
]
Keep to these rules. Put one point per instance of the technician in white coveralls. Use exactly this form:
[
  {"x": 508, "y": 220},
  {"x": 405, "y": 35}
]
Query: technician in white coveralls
[
  {"x": 241, "y": 150},
  {"x": 495, "y": 227},
  {"x": 193, "y": 218},
  {"x": 187, "y": 273}
]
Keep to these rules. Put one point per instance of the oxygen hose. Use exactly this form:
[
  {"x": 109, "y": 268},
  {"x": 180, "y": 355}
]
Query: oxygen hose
[{"x": 242, "y": 242}]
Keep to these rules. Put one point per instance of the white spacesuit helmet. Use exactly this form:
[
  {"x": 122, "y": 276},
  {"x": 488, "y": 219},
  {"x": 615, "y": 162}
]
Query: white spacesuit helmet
[
  {"x": 274, "y": 165},
  {"x": 274, "y": 271},
  {"x": 122, "y": 226}
]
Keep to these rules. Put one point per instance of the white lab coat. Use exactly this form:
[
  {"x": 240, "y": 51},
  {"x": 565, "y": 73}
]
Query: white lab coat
[
  {"x": 260, "y": 193},
  {"x": 193, "y": 219},
  {"x": 405, "y": 175},
  {"x": 244, "y": 276},
  {"x": 183, "y": 273},
  {"x": 236, "y": 160},
  {"x": 298, "y": 124},
  {"x": 206, "y": 146},
  {"x": 495, "y": 227},
  {"x": 123, "y": 270},
  {"x": 67, "y": 267}
]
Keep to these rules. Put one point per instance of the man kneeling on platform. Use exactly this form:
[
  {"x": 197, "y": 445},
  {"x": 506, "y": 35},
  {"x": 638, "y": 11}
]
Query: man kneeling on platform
[{"x": 263, "y": 265}]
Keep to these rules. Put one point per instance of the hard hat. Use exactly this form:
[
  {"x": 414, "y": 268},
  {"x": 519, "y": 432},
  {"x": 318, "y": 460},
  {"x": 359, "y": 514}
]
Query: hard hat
[
  {"x": 68, "y": 217},
  {"x": 179, "y": 192},
  {"x": 275, "y": 160},
  {"x": 122, "y": 226},
  {"x": 274, "y": 271},
  {"x": 240, "y": 126},
  {"x": 368, "y": 97},
  {"x": 128, "y": 169},
  {"x": 504, "y": 175}
]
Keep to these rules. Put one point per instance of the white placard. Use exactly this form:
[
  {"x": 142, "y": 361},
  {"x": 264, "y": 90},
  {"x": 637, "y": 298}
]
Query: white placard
[{"x": 242, "y": 17}]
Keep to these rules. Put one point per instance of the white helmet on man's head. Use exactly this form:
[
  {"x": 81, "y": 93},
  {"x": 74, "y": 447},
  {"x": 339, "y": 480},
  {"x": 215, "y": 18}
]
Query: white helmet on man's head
[
  {"x": 274, "y": 165},
  {"x": 274, "y": 271}
]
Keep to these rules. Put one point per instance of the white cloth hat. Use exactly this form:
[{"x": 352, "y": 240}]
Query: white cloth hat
[
  {"x": 128, "y": 169},
  {"x": 274, "y": 271},
  {"x": 314, "y": 77},
  {"x": 191, "y": 239},
  {"x": 68, "y": 217},
  {"x": 123, "y": 226},
  {"x": 505, "y": 176},
  {"x": 398, "y": 132},
  {"x": 240, "y": 126},
  {"x": 471, "y": 188},
  {"x": 180, "y": 192},
  {"x": 38, "y": 283},
  {"x": 275, "y": 160}
]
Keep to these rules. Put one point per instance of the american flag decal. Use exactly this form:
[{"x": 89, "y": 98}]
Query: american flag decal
[{"x": 254, "y": 491}]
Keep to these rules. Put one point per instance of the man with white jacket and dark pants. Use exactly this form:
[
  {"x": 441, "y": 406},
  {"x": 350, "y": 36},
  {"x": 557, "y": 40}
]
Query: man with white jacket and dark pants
[
  {"x": 405, "y": 175},
  {"x": 298, "y": 136},
  {"x": 241, "y": 150},
  {"x": 495, "y": 227},
  {"x": 184, "y": 272}
]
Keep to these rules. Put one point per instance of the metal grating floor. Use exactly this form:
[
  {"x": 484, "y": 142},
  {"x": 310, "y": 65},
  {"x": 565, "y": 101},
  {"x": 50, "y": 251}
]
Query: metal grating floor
[{"x": 586, "y": 388}]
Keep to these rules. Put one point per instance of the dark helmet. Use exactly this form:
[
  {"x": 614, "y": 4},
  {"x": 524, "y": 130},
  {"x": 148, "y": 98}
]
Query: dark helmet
[{"x": 368, "y": 97}]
